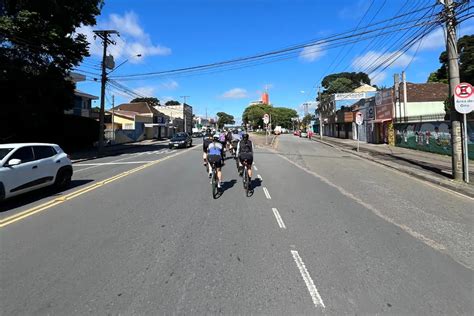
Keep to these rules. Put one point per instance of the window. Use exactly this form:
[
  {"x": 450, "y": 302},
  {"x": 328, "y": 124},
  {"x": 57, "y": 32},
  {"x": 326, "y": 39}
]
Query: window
[
  {"x": 42, "y": 152},
  {"x": 4, "y": 152},
  {"x": 25, "y": 154}
]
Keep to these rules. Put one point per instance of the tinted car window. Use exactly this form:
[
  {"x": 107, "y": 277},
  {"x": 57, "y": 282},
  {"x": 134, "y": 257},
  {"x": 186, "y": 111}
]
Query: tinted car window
[
  {"x": 25, "y": 154},
  {"x": 42, "y": 152},
  {"x": 4, "y": 152}
]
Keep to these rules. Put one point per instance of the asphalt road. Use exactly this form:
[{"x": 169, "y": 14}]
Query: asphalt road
[{"x": 323, "y": 233}]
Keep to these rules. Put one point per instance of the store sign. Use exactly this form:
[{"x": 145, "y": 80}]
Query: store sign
[{"x": 349, "y": 96}]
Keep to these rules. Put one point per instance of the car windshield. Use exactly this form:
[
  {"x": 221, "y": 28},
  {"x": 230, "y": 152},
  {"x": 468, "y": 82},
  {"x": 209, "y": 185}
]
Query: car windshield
[
  {"x": 4, "y": 152},
  {"x": 180, "y": 135}
]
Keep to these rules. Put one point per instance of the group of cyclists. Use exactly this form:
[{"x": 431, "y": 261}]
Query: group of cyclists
[{"x": 236, "y": 142}]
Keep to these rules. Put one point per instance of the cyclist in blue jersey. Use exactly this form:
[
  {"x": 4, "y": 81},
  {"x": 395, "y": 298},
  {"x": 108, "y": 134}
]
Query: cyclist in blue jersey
[{"x": 214, "y": 156}]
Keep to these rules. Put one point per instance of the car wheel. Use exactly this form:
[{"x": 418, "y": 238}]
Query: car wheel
[{"x": 63, "y": 179}]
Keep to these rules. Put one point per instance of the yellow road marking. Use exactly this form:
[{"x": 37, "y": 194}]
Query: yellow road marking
[{"x": 56, "y": 201}]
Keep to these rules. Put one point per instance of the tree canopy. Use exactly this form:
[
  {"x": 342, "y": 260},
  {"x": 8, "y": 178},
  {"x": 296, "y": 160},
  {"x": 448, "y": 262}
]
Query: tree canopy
[
  {"x": 172, "y": 102},
  {"x": 306, "y": 120},
  {"x": 224, "y": 118},
  {"x": 281, "y": 116},
  {"x": 39, "y": 49},
  {"x": 466, "y": 62},
  {"x": 150, "y": 100},
  {"x": 344, "y": 82}
]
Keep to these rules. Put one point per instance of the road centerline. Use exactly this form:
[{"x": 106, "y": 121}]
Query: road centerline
[
  {"x": 313, "y": 291},
  {"x": 267, "y": 194},
  {"x": 278, "y": 218}
]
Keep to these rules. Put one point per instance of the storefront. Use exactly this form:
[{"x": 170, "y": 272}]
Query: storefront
[{"x": 383, "y": 116}]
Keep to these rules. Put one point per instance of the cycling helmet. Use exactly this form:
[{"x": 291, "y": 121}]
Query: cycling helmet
[
  {"x": 245, "y": 137},
  {"x": 216, "y": 136}
]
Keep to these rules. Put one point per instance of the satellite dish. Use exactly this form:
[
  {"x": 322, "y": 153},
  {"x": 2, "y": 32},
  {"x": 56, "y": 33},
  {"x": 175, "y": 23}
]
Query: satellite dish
[{"x": 109, "y": 62}]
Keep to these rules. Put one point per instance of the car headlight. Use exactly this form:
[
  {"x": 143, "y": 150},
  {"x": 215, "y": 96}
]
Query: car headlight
[{"x": 181, "y": 141}]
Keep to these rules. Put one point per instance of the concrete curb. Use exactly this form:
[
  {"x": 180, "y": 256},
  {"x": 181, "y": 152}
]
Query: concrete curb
[{"x": 458, "y": 188}]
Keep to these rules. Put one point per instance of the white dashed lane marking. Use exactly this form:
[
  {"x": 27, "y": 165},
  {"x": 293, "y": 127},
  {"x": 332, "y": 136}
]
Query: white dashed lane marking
[
  {"x": 255, "y": 168},
  {"x": 266, "y": 193},
  {"x": 259, "y": 177},
  {"x": 278, "y": 218},
  {"x": 313, "y": 291}
]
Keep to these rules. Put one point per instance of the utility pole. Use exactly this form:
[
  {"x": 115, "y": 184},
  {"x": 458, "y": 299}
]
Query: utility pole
[
  {"x": 184, "y": 111},
  {"x": 453, "y": 73},
  {"x": 104, "y": 35},
  {"x": 320, "y": 114},
  {"x": 113, "y": 115}
]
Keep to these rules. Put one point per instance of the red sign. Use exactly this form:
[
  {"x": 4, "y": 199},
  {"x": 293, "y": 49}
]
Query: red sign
[{"x": 464, "y": 98}]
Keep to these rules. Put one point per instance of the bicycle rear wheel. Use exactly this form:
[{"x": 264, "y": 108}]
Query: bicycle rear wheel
[{"x": 214, "y": 183}]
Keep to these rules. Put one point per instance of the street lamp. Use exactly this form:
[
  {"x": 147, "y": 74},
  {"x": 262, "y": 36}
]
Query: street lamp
[{"x": 125, "y": 61}]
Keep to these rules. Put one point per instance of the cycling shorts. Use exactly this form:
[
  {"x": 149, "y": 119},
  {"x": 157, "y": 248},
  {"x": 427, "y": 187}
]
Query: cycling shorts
[
  {"x": 215, "y": 159},
  {"x": 246, "y": 156}
]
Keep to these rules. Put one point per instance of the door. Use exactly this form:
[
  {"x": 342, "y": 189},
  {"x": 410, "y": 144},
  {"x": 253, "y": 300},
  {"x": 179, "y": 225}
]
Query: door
[
  {"x": 47, "y": 162},
  {"x": 22, "y": 177}
]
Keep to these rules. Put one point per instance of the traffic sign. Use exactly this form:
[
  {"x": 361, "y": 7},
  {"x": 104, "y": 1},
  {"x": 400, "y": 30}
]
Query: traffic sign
[
  {"x": 266, "y": 118},
  {"x": 359, "y": 118},
  {"x": 464, "y": 98}
]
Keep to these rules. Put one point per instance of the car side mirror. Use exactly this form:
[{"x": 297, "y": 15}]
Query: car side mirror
[{"x": 13, "y": 162}]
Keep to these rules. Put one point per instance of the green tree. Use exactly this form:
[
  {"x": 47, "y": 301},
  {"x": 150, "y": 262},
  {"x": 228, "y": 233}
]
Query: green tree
[
  {"x": 224, "y": 118},
  {"x": 39, "y": 48},
  {"x": 172, "y": 102},
  {"x": 466, "y": 62},
  {"x": 281, "y": 116},
  {"x": 150, "y": 100},
  {"x": 356, "y": 79},
  {"x": 306, "y": 120},
  {"x": 340, "y": 85},
  {"x": 253, "y": 114}
]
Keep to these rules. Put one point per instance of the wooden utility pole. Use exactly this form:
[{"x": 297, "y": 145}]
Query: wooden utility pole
[{"x": 104, "y": 35}]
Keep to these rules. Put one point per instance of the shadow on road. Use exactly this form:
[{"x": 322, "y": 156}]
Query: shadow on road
[{"x": 34, "y": 196}]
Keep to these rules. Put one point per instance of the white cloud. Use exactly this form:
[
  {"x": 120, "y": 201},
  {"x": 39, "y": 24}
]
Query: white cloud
[
  {"x": 133, "y": 39},
  {"x": 437, "y": 40},
  {"x": 312, "y": 53},
  {"x": 169, "y": 85},
  {"x": 146, "y": 91},
  {"x": 373, "y": 58},
  {"x": 378, "y": 78},
  {"x": 236, "y": 93}
]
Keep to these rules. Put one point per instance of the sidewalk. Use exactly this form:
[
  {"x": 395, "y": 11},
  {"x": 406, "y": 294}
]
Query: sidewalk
[
  {"x": 92, "y": 153},
  {"x": 427, "y": 166}
]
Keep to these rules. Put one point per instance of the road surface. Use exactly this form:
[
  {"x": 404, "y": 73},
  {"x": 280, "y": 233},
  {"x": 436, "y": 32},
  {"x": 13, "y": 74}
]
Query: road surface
[{"x": 323, "y": 233}]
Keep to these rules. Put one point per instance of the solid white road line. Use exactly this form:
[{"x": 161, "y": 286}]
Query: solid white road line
[
  {"x": 313, "y": 291},
  {"x": 266, "y": 193},
  {"x": 255, "y": 167},
  {"x": 278, "y": 218}
]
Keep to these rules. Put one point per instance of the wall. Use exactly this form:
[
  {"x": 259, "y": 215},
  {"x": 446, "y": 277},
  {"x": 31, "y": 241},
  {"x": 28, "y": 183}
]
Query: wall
[
  {"x": 424, "y": 108},
  {"x": 430, "y": 136}
]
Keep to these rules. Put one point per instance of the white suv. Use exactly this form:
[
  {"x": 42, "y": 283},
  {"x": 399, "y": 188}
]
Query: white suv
[{"x": 28, "y": 166}]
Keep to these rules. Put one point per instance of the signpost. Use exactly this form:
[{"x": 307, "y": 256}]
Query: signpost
[
  {"x": 464, "y": 104},
  {"x": 266, "y": 119},
  {"x": 359, "y": 121}
]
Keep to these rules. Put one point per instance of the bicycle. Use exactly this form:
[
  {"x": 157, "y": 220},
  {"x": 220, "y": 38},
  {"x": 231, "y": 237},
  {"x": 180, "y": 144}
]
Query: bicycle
[{"x": 214, "y": 180}]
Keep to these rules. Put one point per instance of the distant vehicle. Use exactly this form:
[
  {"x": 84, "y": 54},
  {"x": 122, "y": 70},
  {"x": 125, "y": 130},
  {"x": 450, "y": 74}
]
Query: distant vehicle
[
  {"x": 303, "y": 134},
  {"x": 296, "y": 133},
  {"x": 26, "y": 167},
  {"x": 277, "y": 130},
  {"x": 197, "y": 135},
  {"x": 180, "y": 140}
]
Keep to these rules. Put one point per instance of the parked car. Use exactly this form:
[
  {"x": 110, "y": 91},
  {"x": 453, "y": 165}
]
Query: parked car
[
  {"x": 296, "y": 133},
  {"x": 26, "y": 167},
  {"x": 303, "y": 134},
  {"x": 180, "y": 140}
]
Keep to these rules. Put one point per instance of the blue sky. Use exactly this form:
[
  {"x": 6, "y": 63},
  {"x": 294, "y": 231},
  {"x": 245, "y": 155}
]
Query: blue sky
[{"x": 172, "y": 34}]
